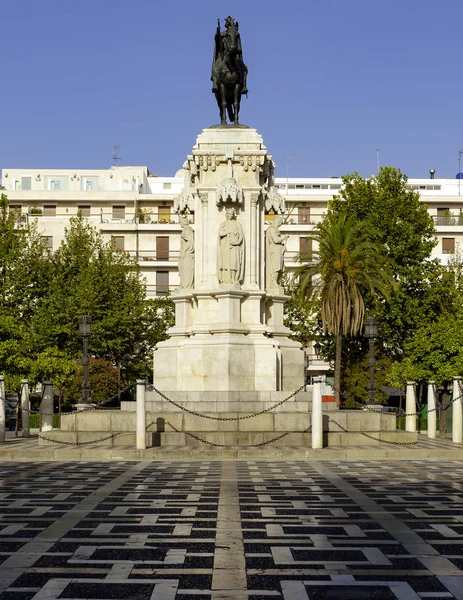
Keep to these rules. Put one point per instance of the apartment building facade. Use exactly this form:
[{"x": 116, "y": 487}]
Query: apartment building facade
[{"x": 136, "y": 210}]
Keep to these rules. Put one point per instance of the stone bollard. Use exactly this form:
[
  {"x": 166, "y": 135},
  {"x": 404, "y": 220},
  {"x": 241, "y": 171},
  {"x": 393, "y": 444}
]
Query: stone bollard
[
  {"x": 432, "y": 413},
  {"x": 317, "y": 413},
  {"x": 2, "y": 408},
  {"x": 46, "y": 407},
  {"x": 141, "y": 415},
  {"x": 410, "y": 407},
  {"x": 457, "y": 412},
  {"x": 25, "y": 412}
]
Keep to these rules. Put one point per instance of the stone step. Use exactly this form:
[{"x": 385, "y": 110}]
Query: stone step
[
  {"x": 114, "y": 420},
  {"x": 222, "y": 438}
]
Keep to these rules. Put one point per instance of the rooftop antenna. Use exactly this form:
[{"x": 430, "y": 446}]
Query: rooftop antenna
[{"x": 115, "y": 157}]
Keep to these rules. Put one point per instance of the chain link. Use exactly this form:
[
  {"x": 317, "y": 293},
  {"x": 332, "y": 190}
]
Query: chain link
[
  {"x": 330, "y": 419},
  {"x": 212, "y": 418},
  {"x": 199, "y": 439},
  {"x": 404, "y": 414},
  {"x": 62, "y": 442}
]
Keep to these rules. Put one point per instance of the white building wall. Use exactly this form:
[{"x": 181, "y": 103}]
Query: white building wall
[{"x": 134, "y": 189}]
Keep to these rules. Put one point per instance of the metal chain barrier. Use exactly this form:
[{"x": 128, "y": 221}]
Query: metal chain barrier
[
  {"x": 63, "y": 443},
  {"x": 275, "y": 439},
  {"x": 404, "y": 414},
  {"x": 367, "y": 435},
  {"x": 212, "y": 418}
]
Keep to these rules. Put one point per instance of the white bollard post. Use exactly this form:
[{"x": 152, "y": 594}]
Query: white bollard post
[
  {"x": 457, "y": 412},
  {"x": 46, "y": 407},
  {"x": 410, "y": 407},
  {"x": 25, "y": 412},
  {"x": 317, "y": 413},
  {"x": 2, "y": 408},
  {"x": 432, "y": 413},
  {"x": 141, "y": 415}
]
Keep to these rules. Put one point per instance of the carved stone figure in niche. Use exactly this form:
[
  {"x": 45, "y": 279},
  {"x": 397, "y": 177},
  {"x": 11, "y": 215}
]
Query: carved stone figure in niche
[
  {"x": 230, "y": 249},
  {"x": 186, "y": 261},
  {"x": 275, "y": 246}
]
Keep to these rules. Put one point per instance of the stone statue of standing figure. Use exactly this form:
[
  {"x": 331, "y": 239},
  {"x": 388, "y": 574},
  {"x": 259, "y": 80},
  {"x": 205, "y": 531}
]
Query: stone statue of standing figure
[
  {"x": 186, "y": 261},
  {"x": 230, "y": 249},
  {"x": 275, "y": 245}
]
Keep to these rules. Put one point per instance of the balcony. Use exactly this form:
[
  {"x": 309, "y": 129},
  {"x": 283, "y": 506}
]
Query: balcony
[
  {"x": 448, "y": 220},
  {"x": 151, "y": 256}
]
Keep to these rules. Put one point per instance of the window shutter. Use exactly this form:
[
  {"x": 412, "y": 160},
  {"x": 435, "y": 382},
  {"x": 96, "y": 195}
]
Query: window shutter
[{"x": 162, "y": 247}]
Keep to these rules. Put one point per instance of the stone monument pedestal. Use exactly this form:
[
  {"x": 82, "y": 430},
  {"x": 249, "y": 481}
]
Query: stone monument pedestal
[{"x": 229, "y": 333}]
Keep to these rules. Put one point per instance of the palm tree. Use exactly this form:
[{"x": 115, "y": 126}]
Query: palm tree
[{"x": 347, "y": 266}]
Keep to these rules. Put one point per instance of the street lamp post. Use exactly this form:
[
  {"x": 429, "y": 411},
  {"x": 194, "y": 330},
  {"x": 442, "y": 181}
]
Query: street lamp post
[
  {"x": 371, "y": 333},
  {"x": 85, "y": 330},
  {"x": 288, "y": 160},
  {"x": 460, "y": 154}
]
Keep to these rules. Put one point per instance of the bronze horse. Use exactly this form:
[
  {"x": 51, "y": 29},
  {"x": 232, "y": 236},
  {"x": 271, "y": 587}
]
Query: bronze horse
[{"x": 228, "y": 72}]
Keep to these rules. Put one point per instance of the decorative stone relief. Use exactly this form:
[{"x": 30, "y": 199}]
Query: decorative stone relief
[
  {"x": 203, "y": 196},
  {"x": 184, "y": 202},
  {"x": 228, "y": 191},
  {"x": 273, "y": 200}
]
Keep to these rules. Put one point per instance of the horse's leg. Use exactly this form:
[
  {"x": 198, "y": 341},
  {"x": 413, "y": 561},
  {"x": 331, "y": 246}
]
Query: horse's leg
[
  {"x": 223, "y": 98},
  {"x": 219, "y": 103},
  {"x": 231, "y": 114},
  {"x": 237, "y": 104}
]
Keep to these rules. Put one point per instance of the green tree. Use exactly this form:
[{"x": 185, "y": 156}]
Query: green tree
[
  {"x": 90, "y": 277},
  {"x": 400, "y": 224},
  {"x": 104, "y": 382},
  {"x": 346, "y": 266},
  {"x": 24, "y": 275},
  {"x": 298, "y": 312}
]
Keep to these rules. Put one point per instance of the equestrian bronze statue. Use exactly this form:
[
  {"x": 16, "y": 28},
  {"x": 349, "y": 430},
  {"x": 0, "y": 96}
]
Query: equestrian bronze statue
[{"x": 229, "y": 72}]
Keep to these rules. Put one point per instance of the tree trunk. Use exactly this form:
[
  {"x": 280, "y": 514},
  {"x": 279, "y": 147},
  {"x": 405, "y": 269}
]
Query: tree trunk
[{"x": 337, "y": 370}]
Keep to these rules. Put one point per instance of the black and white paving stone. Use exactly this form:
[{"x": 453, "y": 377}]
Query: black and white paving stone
[{"x": 238, "y": 530}]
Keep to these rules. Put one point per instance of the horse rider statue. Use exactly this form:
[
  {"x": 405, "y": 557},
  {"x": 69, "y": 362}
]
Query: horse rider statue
[{"x": 229, "y": 73}]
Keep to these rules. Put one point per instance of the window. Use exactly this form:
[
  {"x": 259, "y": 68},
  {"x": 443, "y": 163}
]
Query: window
[
  {"x": 118, "y": 242},
  {"x": 448, "y": 245},
  {"x": 305, "y": 244},
  {"x": 47, "y": 241},
  {"x": 26, "y": 183},
  {"x": 162, "y": 247},
  {"x": 166, "y": 186},
  {"x": 164, "y": 214},
  {"x": 15, "y": 209},
  {"x": 90, "y": 184},
  {"x": 84, "y": 209},
  {"x": 303, "y": 215},
  {"x": 443, "y": 212},
  {"x": 118, "y": 212},
  {"x": 162, "y": 282},
  {"x": 56, "y": 183},
  {"x": 49, "y": 210},
  {"x": 270, "y": 215}
]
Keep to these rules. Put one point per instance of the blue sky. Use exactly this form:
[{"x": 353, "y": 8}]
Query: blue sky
[{"x": 330, "y": 82}]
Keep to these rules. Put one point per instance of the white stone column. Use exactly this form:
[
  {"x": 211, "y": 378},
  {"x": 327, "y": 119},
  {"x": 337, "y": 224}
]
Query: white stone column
[
  {"x": 317, "y": 413},
  {"x": 201, "y": 258},
  {"x": 46, "y": 407},
  {"x": 141, "y": 415},
  {"x": 2, "y": 408},
  {"x": 25, "y": 414},
  {"x": 254, "y": 241},
  {"x": 432, "y": 413},
  {"x": 410, "y": 407},
  {"x": 457, "y": 412}
]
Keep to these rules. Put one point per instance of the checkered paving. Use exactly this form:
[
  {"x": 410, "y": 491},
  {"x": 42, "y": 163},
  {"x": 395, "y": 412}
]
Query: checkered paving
[{"x": 243, "y": 530}]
